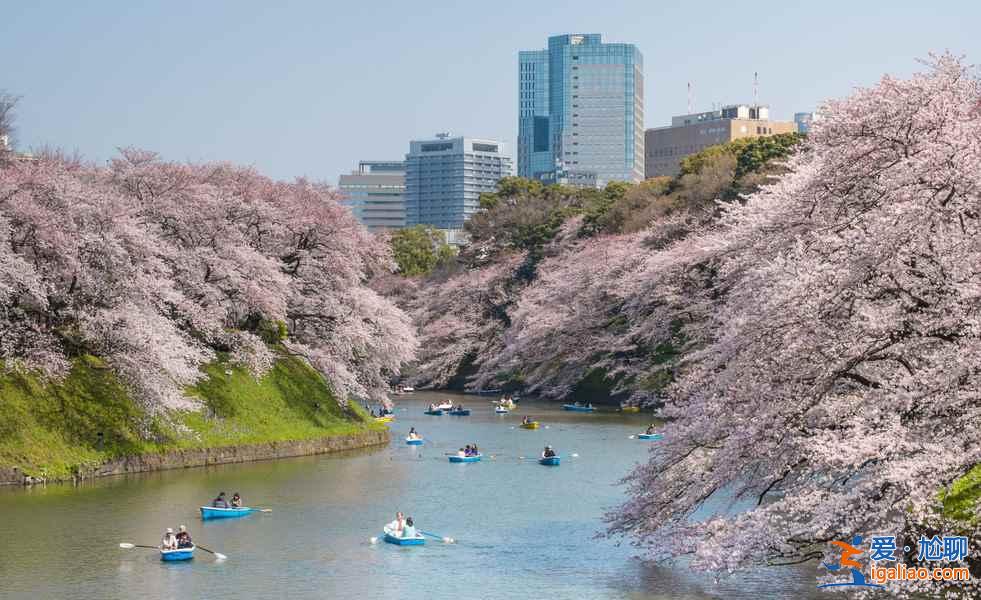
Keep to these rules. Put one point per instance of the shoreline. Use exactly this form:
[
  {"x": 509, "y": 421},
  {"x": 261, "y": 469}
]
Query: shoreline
[{"x": 202, "y": 457}]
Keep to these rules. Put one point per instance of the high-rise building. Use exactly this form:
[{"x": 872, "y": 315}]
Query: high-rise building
[
  {"x": 375, "y": 192},
  {"x": 666, "y": 146},
  {"x": 581, "y": 111},
  {"x": 444, "y": 178},
  {"x": 804, "y": 120}
]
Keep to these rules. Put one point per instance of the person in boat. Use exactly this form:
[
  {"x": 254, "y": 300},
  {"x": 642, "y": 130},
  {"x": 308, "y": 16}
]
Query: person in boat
[
  {"x": 409, "y": 531},
  {"x": 412, "y": 434},
  {"x": 589, "y": 405},
  {"x": 236, "y": 500},
  {"x": 220, "y": 501},
  {"x": 548, "y": 452},
  {"x": 184, "y": 538},
  {"x": 473, "y": 448},
  {"x": 650, "y": 429},
  {"x": 169, "y": 541},
  {"x": 398, "y": 524},
  {"x": 468, "y": 451},
  {"x": 526, "y": 420}
]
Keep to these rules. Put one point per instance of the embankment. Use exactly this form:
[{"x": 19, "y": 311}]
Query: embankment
[{"x": 88, "y": 425}]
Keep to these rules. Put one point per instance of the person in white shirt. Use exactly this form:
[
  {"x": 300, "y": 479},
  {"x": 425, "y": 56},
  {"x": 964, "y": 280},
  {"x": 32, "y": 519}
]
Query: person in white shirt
[
  {"x": 169, "y": 541},
  {"x": 398, "y": 524}
]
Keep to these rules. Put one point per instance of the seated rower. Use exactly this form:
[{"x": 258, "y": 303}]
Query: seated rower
[
  {"x": 169, "y": 541},
  {"x": 398, "y": 524},
  {"x": 409, "y": 531},
  {"x": 526, "y": 420},
  {"x": 548, "y": 452},
  {"x": 650, "y": 429},
  {"x": 220, "y": 501},
  {"x": 184, "y": 538},
  {"x": 473, "y": 448},
  {"x": 236, "y": 500},
  {"x": 412, "y": 434}
]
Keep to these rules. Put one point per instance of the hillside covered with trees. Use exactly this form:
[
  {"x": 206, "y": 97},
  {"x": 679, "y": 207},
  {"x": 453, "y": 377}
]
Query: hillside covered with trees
[{"x": 157, "y": 280}]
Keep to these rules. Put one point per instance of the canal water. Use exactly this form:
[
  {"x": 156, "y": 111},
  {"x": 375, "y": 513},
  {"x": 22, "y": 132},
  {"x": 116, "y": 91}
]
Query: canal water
[{"x": 522, "y": 530}]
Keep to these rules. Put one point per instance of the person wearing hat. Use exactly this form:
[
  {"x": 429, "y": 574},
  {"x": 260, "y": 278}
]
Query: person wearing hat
[
  {"x": 169, "y": 542},
  {"x": 183, "y": 538},
  {"x": 548, "y": 453}
]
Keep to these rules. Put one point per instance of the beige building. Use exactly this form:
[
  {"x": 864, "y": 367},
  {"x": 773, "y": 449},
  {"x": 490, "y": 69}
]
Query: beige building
[{"x": 664, "y": 147}]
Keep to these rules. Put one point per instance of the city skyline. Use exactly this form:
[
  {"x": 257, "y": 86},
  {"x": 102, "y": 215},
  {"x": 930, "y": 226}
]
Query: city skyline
[{"x": 303, "y": 92}]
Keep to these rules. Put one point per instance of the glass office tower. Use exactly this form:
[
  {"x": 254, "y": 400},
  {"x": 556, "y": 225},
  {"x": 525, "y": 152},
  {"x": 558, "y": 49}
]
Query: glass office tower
[
  {"x": 444, "y": 178},
  {"x": 581, "y": 111}
]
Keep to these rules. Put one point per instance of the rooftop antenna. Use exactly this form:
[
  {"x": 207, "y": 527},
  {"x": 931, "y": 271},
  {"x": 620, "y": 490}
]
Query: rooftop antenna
[
  {"x": 689, "y": 97},
  {"x": 756, "y": 90}
]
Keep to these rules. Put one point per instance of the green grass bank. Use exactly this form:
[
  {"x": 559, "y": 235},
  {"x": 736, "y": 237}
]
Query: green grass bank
[{"x": 56, "y": 430}]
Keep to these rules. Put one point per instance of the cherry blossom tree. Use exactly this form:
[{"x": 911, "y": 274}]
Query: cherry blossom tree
[
  {"x": 156, "y": 267},
  {"x": 835, "y": 338}
]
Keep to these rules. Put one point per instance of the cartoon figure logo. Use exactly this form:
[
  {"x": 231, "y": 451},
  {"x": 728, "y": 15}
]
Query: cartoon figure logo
[{"x": 847, "y": 551}]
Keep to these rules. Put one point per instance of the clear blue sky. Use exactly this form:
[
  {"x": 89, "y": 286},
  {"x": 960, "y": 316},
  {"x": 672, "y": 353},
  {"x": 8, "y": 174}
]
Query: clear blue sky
[{"x": 309, "y": 88}]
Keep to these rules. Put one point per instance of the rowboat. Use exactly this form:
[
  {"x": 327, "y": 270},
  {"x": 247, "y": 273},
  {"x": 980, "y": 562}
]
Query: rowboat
[
  {"x": 463, "y": 412},
  {"x": 532, "y": 425},
  {"x": 465, "y": 459},
  {"x": 210, "y": 512},
  {"x": 501, "y": 410},
  {"x": 551, "y": 461},
  {"x": 630, "y": 409},
  {"x": 178, "y": 554},
  {"x": 385, "y": 419},
  {"x": 650, "y": 436},
  {"x": 435, "y": 413},
  {"x": 577, "y": 408},
  {"x": 413, "y": 441},
  {"x": 392, "y": 538},
  {"x": 445, "y": 406}
]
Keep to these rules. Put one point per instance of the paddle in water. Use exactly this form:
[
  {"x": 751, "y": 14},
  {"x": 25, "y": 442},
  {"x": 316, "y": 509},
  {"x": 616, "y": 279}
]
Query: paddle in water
[
  {"x": 218, "y": 555},
  {"x": 444, "y": 539},
  {"x": 129, "y": 546}
]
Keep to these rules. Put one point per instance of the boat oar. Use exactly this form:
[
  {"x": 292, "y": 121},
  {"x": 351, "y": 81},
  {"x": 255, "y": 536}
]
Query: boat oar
[
  {"x": 129, "y": 546},
  {"x": 445, "y": 540},
  {"x": 265, "y": 510},
  {"x": 218, "y": 555}
]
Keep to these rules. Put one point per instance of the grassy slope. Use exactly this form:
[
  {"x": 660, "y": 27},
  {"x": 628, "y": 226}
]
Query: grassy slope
[
  {"x": 961, "y": 501},
  {"x": 52, "y": 428}
]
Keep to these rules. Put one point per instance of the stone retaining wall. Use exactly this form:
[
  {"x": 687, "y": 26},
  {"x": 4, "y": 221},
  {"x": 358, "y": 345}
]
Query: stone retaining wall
[{"x": 182, "y": 459}]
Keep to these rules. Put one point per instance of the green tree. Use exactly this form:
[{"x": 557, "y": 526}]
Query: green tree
[{"x": 420, "y": 249}]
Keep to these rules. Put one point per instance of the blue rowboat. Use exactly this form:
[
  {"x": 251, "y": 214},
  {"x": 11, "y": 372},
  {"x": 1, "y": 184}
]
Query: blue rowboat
[
  {"x": 462, "y": 459},
  {"x": 210, "y": 512},
  {"x": 577, "y": 408},
  {"x": 650, "y": 436},
  {"x": 551, "y": 461},
  {"x": 435, "y": 413},
  {"x": 178, "y": 554},
  {"x": 461, "y": 413},
  {"x": 391, "y": 538},
  {"x": 413, "y": 442}
]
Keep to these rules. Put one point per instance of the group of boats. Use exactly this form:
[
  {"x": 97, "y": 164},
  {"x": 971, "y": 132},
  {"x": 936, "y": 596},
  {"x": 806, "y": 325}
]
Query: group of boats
[{"x": 448, "y": 408}]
